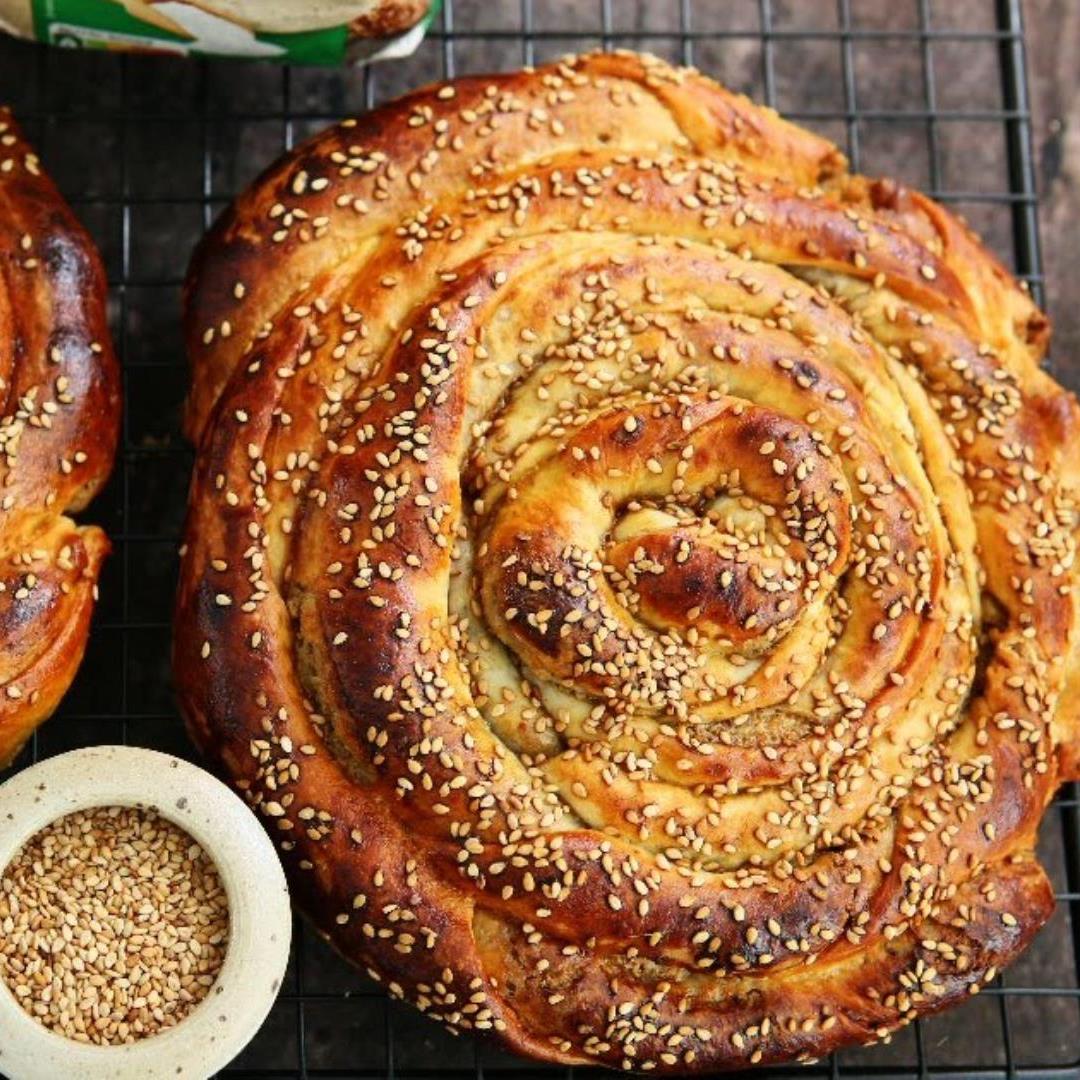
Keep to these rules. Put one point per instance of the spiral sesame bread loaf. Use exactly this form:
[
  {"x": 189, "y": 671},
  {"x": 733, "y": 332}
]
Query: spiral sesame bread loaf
[
  {"x": 630, "y": 567},
  {"x": 59, "y": 414}
]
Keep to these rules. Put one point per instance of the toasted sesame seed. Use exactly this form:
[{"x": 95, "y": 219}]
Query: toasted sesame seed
[{"x": 115, "y": 925}]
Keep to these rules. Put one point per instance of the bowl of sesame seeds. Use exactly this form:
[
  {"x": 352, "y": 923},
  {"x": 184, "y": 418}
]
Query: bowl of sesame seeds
[{"x": 144, "y": 919}]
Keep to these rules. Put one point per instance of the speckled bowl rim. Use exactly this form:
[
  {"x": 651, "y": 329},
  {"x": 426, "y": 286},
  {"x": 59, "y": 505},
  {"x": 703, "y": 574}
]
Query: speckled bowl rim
[{"x": 260, "y": 919}]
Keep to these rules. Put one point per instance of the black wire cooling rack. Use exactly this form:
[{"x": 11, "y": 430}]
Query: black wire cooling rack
[{"x": 149, "y": 150}]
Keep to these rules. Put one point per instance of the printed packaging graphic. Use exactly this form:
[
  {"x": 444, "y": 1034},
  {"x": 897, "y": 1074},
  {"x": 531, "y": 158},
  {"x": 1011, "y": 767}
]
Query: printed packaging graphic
[{"x": 288, "y": 31}]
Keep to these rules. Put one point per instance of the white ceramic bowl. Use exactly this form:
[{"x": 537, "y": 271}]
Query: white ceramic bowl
[{"x": 260, "y": 921}]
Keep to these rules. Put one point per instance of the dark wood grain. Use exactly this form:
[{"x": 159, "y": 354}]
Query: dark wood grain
[
  {"x": 1053, "y": 43},
  {"x": 158, "y": 153}
]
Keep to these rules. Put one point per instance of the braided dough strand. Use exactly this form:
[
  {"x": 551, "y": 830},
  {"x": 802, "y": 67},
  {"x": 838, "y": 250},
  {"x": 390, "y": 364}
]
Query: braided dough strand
[{"x": 59, "y": 418}]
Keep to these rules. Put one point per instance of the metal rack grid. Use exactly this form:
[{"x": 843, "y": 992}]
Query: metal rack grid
[{"x": 149, "y": 150}]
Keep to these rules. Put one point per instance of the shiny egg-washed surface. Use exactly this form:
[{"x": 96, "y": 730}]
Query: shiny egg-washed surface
[
  {"x": 59, "y": 420},
  {"x": 630, "y": 567}
]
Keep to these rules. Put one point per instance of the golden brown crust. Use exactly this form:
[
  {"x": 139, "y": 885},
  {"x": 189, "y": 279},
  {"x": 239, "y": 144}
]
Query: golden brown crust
[
  {"x": 59, "y": 417},
  {"x": 630, "y": 565}
]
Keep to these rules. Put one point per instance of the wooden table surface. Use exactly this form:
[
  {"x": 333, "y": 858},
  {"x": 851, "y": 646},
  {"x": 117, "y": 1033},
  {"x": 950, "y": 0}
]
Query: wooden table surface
[
  {"x": 1053, "y": 45},
  {"x": 162, "y": 158}
]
